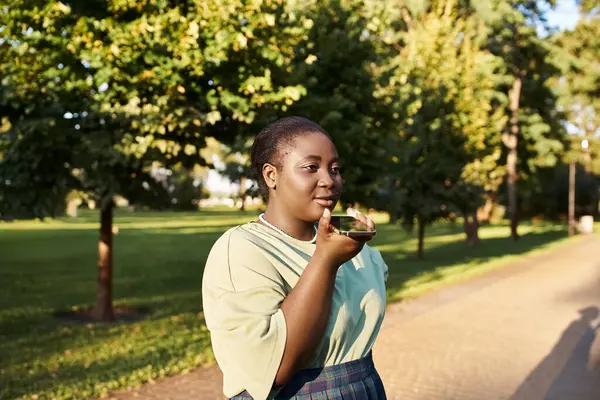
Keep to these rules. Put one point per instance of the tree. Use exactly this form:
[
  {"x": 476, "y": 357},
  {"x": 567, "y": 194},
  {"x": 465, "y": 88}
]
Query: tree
[
  {"x": 577, "y": 87},
  {"x": 337, "y": 62},
  {"x": 531, "y": 105},
  {"x": 589, "y": 7},
  {"x": 446, "y": 152},
  {"x": 237, "y": 170},
  {"x": 94, "y": 93},
  {"x": 577, "y": 53},
  {"x": 185, "y": 188}
]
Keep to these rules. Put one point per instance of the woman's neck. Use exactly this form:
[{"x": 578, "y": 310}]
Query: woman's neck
[{"x": 294, "y": 227}]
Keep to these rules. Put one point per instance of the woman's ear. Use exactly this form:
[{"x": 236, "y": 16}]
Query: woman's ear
[{"x": 269, "y": 172}]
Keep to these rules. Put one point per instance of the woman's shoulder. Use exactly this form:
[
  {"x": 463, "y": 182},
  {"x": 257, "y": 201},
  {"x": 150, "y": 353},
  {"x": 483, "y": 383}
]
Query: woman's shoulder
[
  {"x": 235, "y": 253},
  {"x": 238, "y": 240},
  {"x": 233, "y": 233}
]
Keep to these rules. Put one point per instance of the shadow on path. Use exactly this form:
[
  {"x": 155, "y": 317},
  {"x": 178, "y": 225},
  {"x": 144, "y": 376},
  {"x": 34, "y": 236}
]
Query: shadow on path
[{"x": 579, "y": 378}]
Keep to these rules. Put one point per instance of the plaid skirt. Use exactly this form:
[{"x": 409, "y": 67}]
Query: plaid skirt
[{"x": 352, "y": 380}]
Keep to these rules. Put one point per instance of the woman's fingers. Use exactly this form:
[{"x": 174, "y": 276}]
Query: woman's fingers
[
  {"x": 364, "y": 220},
  {"x": 325, "y": 221},
  {"x": 370, "y": 224}
]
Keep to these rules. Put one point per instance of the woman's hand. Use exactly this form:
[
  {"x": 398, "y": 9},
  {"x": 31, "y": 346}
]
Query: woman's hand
[{"x": 334, "y": 249}]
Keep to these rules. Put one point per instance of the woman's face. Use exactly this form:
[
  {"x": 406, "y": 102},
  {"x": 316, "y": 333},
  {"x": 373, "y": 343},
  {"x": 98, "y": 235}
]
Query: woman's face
[{"x": 309, "y": 179}]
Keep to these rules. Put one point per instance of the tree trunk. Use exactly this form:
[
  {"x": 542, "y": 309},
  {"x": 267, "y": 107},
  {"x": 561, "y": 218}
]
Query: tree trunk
[
  {"x": 511, "y": 160},
  {"x": 572, "y": 199},
  {"x": 393, "y": 217},
  {"x": 587, "y": 161},
  {"x": 595, "y": 200},
  {"x": 104, "y": 310},
  {"x": 243, "y": 193},
  {"x": 421, "y": 253},
  {"x": 471, "y": 227}
]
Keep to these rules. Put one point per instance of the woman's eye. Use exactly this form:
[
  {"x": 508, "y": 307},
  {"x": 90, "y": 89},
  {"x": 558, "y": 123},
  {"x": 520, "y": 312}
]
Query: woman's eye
[
  {"x": 312, "y": 168},
  {"x": 336, "y": 170}
]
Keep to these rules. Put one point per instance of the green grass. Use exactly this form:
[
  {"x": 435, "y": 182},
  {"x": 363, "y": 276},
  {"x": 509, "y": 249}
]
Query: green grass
[{"x": 48, "y": 267}]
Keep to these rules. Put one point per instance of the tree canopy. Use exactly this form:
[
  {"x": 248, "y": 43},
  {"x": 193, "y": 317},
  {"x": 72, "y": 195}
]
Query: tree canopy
[{"x": 436, "y": 107}]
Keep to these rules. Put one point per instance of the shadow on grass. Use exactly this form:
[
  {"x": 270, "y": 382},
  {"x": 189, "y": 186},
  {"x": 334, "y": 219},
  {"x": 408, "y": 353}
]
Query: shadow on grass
[
  {"x": 449, "y": 260},
  {"x": 146, "y": 359},
  {"x": 41, "y": 336}
]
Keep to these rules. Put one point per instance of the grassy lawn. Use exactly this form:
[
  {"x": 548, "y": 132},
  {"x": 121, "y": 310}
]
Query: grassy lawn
[{"x": 159, "y": 257}]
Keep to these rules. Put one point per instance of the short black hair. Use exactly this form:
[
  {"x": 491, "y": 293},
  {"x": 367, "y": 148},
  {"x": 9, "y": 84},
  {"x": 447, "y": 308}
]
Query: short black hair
[{"x": 269, "y": 144}]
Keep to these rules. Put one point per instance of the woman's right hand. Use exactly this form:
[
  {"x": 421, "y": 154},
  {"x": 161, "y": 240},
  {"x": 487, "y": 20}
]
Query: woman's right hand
[{"x": 335, "y": 249}]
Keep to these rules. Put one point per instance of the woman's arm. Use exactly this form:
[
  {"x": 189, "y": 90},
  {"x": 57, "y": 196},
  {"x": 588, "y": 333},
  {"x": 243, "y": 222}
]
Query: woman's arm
[
  {"x": 306, "y": 310},
  {"x": 307, "y": 307}
]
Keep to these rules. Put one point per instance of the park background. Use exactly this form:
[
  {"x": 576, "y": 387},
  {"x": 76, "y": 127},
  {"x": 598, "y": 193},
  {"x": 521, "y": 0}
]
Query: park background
[{"x": 470, "y": 130}]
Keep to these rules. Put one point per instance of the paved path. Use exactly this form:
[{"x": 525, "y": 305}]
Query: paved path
[{"x": 528, "y": 331}]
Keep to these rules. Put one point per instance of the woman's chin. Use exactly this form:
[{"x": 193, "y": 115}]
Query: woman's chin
[{"x": 316, "y": 209}]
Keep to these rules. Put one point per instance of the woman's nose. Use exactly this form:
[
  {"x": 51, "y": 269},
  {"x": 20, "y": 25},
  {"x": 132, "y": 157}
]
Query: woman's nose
[{"x": 326, "y": 180}]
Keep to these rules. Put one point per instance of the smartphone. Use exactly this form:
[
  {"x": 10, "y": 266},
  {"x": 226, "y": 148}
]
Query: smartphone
[{"x": 350, "y": 226}]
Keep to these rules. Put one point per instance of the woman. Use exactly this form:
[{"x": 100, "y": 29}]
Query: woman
[{"x": 294, "y": 309}]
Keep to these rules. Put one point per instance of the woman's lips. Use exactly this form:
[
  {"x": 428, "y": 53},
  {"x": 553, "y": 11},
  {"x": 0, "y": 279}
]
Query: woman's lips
[{"x": 324, "y": 202}]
